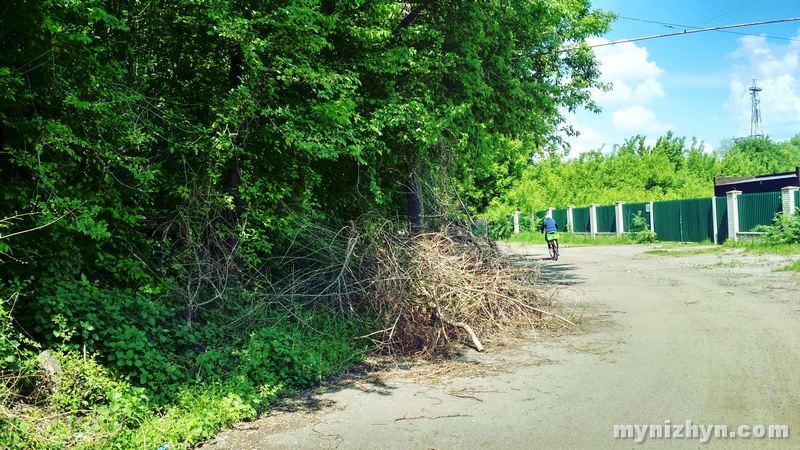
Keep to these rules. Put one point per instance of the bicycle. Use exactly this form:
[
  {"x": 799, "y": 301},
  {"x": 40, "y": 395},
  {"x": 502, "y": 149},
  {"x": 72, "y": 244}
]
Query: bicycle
[{"x": 552, "y": 245}]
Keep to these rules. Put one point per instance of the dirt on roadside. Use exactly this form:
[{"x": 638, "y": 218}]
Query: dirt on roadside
[{"x": 707, "y": 336}]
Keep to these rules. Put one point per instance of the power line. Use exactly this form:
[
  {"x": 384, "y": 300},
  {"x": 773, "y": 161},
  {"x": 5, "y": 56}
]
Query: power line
[
  {"x": 699, "y": 30},
  {"x": 731, "y": 11},
  {"x": 673, "y": 25}
]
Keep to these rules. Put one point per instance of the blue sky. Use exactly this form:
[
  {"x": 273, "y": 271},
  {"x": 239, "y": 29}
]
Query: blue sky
[{"x": 695, "y": 85}]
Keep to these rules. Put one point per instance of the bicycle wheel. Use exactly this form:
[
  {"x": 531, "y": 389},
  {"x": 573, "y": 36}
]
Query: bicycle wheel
[
  {"x": 553, "y": 249},
  {"x": 555, "y": 245}
]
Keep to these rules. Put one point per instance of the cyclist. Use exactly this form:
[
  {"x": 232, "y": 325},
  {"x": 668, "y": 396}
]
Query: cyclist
[{"x": 550, "y": 228}]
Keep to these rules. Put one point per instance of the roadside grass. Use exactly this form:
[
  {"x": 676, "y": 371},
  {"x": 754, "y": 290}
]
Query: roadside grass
[
  {"x": 570, "y": 239},
  {"x": 793, "y": 267},
  {"x": 764, "y": 248},
  {"x": 753, "y": 247},
  {"x": 676, "y": 250}
]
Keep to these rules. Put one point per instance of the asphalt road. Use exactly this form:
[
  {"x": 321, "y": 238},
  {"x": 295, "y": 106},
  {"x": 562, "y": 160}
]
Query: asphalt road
[{"x": 709, "y": 338}]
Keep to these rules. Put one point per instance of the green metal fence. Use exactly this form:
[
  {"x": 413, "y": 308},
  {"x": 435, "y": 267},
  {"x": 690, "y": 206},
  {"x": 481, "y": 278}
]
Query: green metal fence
[
  {"x": 684, "y": 220},
  {"x": 722, "y": 219},
  {"x": 560, "y": 216},
  {"x": 692, "y": 220},
  {"x": 697, "y": 220},
  {"x": 758, "y": 209},
  {"x": 668, "y": 220},
  {"x": 580, "y": 220},
  {"x": 605, "y": 219}
]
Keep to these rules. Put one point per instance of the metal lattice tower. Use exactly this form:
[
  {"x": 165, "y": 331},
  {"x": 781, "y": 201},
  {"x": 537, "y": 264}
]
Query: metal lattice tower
[{"x": 755, "y": 115}]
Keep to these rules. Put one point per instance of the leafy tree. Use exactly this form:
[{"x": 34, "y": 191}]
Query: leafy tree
[
  {"x": 171, "y": 146},
  {"x": 755, "y": 156}
]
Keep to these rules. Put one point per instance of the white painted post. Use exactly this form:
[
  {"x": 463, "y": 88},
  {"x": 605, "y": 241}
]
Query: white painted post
[
  {"x": 733, "y": 215},
  {"x": 652, "y": 222},
  {"x": 714, "y": 221},
  {"x": 619, "y": 218},
  {"x": 787, "y": 197},
  {"x": 549, "y": 212},
  {"x": 593, "y": 219},
  {"x": 516, "y": 222},
  {"x": 570, "y": 221}
]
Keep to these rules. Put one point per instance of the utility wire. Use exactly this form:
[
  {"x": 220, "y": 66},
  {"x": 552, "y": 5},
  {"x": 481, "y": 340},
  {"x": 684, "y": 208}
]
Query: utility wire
[
  {"x": 733, "y": 10},
  {"x": 673, "y": 25},
  {"x": 699, "y": 30}
]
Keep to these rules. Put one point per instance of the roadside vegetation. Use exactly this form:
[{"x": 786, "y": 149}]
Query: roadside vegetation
[{"x": 208, "y": 205}]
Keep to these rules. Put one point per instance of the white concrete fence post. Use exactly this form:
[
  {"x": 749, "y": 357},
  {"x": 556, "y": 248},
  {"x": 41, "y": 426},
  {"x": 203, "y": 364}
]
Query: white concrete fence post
[
  {"x": 733, "y": 215},
  {"x": 619, "y": 218},
  {"x": 549, "y": 212},
  {"x": 652, "y": 218},
  {"x": 516, "y": 222},
  {"x": 593, "y": 219},
  {"x": 787, "y": 199},
  {"x": 570, "y": 225}
]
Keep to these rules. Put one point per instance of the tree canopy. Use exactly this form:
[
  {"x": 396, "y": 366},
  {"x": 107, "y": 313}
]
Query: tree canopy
[
  {"x": 635, "y": 172},
  {"x": 154, "y": 153}
]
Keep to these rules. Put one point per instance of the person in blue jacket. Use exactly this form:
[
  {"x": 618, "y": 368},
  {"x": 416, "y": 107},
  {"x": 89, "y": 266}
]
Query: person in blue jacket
[{"x": 550, "y": 229}]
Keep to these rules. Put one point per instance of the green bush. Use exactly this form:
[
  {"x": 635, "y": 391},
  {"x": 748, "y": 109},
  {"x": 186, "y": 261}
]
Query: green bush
[
  {"x": 784, "y": 229},
  {"x": 640, "y": 230},
  {"x": 14, "y": 346}
]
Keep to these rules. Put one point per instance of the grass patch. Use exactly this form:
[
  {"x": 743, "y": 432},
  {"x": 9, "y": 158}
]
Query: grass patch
[
  {"x": 573, "y": 240},
  {"x": 730, "y": 264},
  {"x": 684, "y": 252},
  {"x": 793, "y": 267},
  {"x": 762, "y": 248}
]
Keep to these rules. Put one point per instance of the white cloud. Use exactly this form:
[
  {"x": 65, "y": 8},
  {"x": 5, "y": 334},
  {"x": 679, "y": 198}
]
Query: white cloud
[
  {"x": 588, "y": 139},
  {"x": 627, "y": 68},
  {"x": 624, "y": 61},
  {"x": 635, "y": 80},
  {"x": 638, "y": 120},
  {"x": 776, "y": 68}
]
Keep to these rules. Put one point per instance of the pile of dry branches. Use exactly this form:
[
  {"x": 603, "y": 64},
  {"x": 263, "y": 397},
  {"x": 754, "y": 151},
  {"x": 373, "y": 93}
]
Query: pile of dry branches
[
  {"x": 433, "y": 289},
  {"x": 426, "y": 291}
]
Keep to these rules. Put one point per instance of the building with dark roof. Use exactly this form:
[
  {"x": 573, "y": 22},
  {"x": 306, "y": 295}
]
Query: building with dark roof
[{"x": 757, "y": 183}]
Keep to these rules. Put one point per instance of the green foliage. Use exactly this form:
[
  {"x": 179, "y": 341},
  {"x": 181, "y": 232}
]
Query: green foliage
[
  {"x": 155, "y": 155},
  {"x": 225, "y": 384},
  {"x": 635, "y": 171},
  {"x": 793, "y": 267},
  {"x": 14, "y": 346},
  {"x": 784, "y": 230},
  {"x": 92, "y": 409},
  {"x": 640, "y": 230}
]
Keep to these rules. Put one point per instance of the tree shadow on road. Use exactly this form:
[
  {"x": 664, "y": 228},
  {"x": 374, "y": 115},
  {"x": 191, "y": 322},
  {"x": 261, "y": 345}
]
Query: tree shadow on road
[{"x": 560, "y": 272}]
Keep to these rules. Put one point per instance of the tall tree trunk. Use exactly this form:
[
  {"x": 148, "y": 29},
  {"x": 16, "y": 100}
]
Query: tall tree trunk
[{"x": 415, "y": 205}]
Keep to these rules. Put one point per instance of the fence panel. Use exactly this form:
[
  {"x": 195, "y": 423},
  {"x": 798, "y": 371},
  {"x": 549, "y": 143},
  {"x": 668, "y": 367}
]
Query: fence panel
[
  {"x": 679, "y": 220},
  {"x": 722, "y": 219},
  {"x": 796, "y": 201},
  {"x": 606, "y": 219},
  {"x": 560, "y": 216},
  {"x": 580, "y": 218},
  {"x": 758, "y": 209},
  {"x": 629, "y": 211},
  {"x": 667, "y": 217},
  {"x": 697, "y": 220}
]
